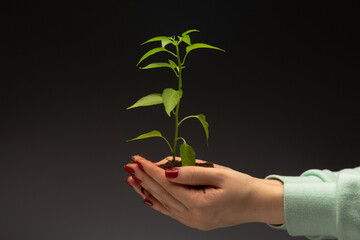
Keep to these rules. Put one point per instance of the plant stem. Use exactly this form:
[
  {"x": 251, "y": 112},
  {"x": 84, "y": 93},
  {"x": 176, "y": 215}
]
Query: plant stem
[
  {"x": 180, "y": 138},
  {"x": 180, "y": 67},
  {"x": 168, "y": 144},
  {"x": 192, "y": 116},
  {"x": 176, "y": 130},
  {"x": 178, "y": 105}
]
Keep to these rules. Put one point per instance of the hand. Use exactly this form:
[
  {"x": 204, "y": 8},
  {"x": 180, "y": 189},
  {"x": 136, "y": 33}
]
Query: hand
[{"x": 226, "y": 198}]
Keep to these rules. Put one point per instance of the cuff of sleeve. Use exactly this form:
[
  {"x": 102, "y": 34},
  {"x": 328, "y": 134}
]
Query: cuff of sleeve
[
  {"x": 309, "y": 205},
  {"x": 310, "y": 208},
  {"x": 301, "y": 179},
  {"x": 282, "y": 179},
  {"x": 286, "y": 180}
]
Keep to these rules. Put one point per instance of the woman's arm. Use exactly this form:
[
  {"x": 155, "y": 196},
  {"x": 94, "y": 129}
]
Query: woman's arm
[
  {"x": 228, "y": 197},
  {"x": 319, "y": 204}
]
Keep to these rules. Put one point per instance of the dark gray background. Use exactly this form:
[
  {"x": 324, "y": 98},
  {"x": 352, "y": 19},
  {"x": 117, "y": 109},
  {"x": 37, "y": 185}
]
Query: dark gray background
[{"x": 282, "y": 99}]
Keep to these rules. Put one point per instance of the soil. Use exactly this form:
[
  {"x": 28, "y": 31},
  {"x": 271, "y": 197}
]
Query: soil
[{"x": 174, "y": 163}]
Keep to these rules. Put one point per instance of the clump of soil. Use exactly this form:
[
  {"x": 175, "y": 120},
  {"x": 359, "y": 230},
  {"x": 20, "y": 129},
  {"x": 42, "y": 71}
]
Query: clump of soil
[{"x": 174, "y": 164}]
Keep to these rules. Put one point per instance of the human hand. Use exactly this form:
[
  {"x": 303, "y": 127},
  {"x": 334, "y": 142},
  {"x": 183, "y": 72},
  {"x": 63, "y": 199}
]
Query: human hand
[{"x": 226, "y": 198}]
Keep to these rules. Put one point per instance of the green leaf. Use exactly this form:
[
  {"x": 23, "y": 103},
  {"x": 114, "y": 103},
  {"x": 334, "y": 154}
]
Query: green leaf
[
  {"x": 154, "y": 39},
  {"x": 205, "y": 125},
  {"x": 154, "y": 133},
  {"x": 157, "y": 65},
  {"x": 189, "y": 31},
  {"x": 153, "y": 51},
  {"x": 172, "y": 63},
  {"x": 186, "y": 39},
  {"x": 170, "y": 98},
  {"x": 187, "y": 155},
  {"x": 165, "y": 42},
  {"x": 201, "y": 45},
  {"x": 152, "y": 99}
]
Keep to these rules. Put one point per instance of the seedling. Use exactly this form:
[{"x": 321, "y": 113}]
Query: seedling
[{"x": 170, "y": 97}]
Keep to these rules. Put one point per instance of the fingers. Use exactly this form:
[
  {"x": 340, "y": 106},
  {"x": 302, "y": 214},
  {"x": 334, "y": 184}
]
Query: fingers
[
  {"x": 155, "y": 204},
  {"x": 148, "y": 198},
  {"x": 181, "y": 192},
  {"x": 158, "y": 179},
  {"x": 137, "y": 187},
  {"x": 191, "y": 175},
  {"x": 170, "y": 187},
  {"x": 153, "y": 187}
]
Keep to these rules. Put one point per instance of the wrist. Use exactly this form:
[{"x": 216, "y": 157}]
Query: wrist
[{"x": 268, "y": 201}]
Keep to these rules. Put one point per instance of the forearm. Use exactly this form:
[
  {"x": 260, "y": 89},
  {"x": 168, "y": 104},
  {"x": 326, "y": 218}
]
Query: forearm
[{"x": 267, "y": 201}]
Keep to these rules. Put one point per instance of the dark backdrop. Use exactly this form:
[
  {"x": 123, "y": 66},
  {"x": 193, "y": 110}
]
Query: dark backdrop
[{"x": 282, "y": 99}]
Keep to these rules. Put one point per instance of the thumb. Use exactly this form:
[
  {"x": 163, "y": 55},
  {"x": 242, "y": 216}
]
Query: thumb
[{"x": 191, "y": 175}]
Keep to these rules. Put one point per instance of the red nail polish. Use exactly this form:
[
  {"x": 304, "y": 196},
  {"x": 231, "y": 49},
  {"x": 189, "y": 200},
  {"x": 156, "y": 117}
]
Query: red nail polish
[
  {"x": 133, "y": 159},
  {"x": 148, "y": 202},
  {"x": 136, "y": 179},
  {"x": 129, "y": 170},
  {"x": 171, "y": 172},
  {"x": 140, "y": 166}
]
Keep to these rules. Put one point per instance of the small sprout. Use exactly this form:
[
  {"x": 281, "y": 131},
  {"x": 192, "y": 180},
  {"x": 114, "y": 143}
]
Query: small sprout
[{"x": 170, "y": 97}]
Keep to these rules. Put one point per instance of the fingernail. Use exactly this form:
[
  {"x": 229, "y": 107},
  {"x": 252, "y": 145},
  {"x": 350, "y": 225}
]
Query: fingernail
[
  {"x": 133, "y": 157},
  {"x": 155, "y": 162},
  {"x": 127, "y": 181},
  {"x": 136, "y": 179},
  {"x": 171, "y": 172},
  {"x": 140, "y": 166},
  {"x": 129, "y": 170},
  {"x": 148, "y": 202}
]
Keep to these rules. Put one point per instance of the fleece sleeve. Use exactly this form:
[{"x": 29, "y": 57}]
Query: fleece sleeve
[{"x": 321, "y": 204}]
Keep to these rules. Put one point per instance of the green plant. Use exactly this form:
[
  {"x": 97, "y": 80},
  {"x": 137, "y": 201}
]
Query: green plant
[{"x": 170, "y": 97}]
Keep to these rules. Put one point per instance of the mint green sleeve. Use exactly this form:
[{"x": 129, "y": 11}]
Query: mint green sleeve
[{"x": 321, "y": 204}]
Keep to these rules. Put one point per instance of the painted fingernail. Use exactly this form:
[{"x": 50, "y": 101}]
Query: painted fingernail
[
  {"x": 140, "y": 166},
  {"x": 127, "y": 181},
  {"x": 148, "y": 202},
  {"x": 155, "y": 162},
  {"x": 134, "y": 160},
  {"x": 129, "y": 170},
  {"x": 136, "y": 179},
  {"x": 171, "y": 172}
]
